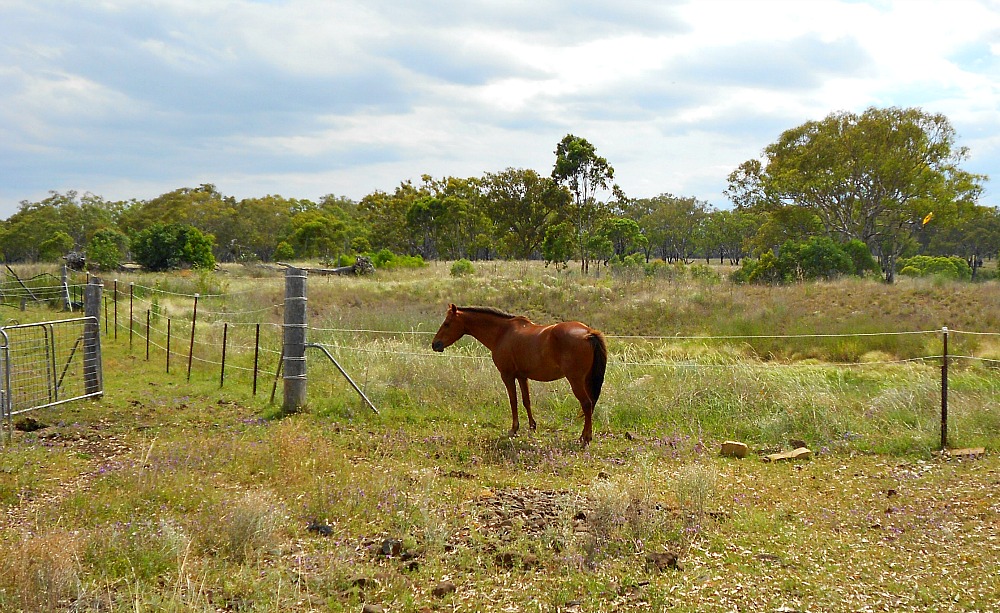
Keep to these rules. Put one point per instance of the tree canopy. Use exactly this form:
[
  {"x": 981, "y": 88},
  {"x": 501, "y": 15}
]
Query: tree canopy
[
  {"x": 873, "y": 176},
  {"x": 886, "y": 182}
]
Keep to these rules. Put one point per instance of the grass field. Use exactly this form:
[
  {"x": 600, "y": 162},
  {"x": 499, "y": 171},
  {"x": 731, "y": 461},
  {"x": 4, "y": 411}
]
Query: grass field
[{"x": 171, "y": 494}]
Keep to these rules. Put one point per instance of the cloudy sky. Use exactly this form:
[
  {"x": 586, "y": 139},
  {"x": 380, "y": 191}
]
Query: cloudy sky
[{"x": 134, "y": 98}]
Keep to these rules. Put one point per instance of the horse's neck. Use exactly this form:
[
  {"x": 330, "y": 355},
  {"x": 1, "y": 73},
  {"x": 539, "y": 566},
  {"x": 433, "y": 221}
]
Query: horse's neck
[{"x": 487, "y": 329}]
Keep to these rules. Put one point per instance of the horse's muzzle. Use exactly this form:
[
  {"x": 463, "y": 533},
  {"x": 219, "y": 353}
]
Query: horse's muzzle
[{"x": 437, "y": 346}]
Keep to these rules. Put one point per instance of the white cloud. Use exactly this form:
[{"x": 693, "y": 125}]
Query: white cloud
[{"x": 131, "y": 98}]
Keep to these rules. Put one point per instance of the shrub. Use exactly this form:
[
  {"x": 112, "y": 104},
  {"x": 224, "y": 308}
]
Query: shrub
[
  {"x": 861, "y": 257},
  {"x": 387, "y": 259},
  {"x": 945, "y": 267},
  {"x": 54, "y": 247},
  {"x": 167, "y": 246},
  {"x": 817, "y": 258},
  {"x": 462, "y": 268},
  {"x": 283, "y": 251},
  {"x": 107, "y": 249}
]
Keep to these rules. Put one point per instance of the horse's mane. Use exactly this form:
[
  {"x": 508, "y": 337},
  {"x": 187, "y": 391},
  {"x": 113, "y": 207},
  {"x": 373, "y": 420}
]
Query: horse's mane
[{"x": 487, "y": 311}]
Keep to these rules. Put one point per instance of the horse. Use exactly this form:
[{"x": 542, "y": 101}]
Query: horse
[{"x": 524, "y": 350}]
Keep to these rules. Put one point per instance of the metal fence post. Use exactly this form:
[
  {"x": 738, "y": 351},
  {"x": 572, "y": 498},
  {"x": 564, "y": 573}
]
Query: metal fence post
[
  {"x": 67, "y": 301},
  {"x": 944, "y": 390},
  {"x": 92, "y": 374},
  {"x": 294, "y": 341}
]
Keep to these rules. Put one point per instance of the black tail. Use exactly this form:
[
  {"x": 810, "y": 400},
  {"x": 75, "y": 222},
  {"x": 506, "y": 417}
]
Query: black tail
[{"x": 595, "y": 379}]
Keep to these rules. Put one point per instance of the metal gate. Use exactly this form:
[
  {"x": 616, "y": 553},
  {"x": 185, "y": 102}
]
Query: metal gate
[{"x": 49, "y": 363}]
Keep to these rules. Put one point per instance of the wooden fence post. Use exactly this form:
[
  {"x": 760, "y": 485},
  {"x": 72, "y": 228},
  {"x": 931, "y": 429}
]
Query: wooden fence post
[
  {"x": 194, "y": 320},
  {"x": 294, "y": 341}
]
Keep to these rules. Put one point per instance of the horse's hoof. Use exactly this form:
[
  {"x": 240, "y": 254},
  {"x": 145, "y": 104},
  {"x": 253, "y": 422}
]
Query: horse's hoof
[
  {"x": 532, "y": 426},
  {"x": 511, "y": 433}
]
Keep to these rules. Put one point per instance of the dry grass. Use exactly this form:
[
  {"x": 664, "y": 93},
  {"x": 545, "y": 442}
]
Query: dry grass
[{"x": 175, "y": 495}]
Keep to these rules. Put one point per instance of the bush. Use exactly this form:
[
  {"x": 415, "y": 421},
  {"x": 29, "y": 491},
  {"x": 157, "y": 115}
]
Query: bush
[
  {"x": 283, "y": 251},
  {"x": 817, "y": 258},
  {"x": 387, "y": 259},
  {"x": 462, "y": 268},
  {"x": 107, "y": 249},
  {"x": 55, "y": 247},
  {"x": 821, "y": 258},
  {"x": 861, "y": 257},
  {"x": 167, "y": 246},
  {"x": 946, "y": 267}
]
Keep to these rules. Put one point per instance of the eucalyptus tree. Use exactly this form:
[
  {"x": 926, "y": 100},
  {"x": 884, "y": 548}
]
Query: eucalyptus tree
[
  {"x": 522, "y": 206},
  {"x": 59, "y": 223},
  {"x": 585, "y": 174},
  {"x": 872, "y": 177},
  {"x": 728, "y": 234},
  {"x": 672, "y": 224},
  {"x": 385, "y": 216},
  {"x": 25, "y": 231},
  {"x": 972, "y": 233},
  {"x": 623, "y": 235},
  {"x": 195, "y": 206}
]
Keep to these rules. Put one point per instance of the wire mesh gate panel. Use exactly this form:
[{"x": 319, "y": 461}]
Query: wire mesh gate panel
[{"x": 49, "y": 363}]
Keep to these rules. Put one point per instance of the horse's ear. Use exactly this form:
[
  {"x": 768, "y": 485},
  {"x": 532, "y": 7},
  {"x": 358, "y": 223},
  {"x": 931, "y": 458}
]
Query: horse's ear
[{"x": 452, "y": 309}]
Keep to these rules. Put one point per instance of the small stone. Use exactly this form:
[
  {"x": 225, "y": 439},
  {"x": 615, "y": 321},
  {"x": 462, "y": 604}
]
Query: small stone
[
  {"x": 391, "y": 547},
  {"x": 28, "y": 424},
  {"x": 734, "y": 449},
  {"x": 360, "y": 582},
  {"x": 320, "y": 529},
  {"x": 971, "y": 453},
  {"x": 802, "y": 453},
  {"x": 373, "y": 608},
  {"x": 662, "y": 561},
  {"x": 443, "y": 589},
  {"x": 507, "y": 560}
]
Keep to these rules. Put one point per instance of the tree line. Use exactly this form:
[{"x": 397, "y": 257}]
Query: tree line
[{"x": 885, "y": 183}]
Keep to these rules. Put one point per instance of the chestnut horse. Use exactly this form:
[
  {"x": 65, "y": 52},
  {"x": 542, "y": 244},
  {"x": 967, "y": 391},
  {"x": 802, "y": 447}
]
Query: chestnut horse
[{"x": 523, "y": 350}]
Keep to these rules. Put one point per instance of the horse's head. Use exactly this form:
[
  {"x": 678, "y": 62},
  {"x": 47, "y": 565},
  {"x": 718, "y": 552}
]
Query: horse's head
[{"x": 450, "y": 331}]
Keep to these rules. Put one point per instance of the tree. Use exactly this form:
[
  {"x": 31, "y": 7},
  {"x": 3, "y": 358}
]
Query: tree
[
  {"x": 782, "y": 224},
  {"x": 316, "y": 234},
  {"x": 166, "y": 246},
  {"x": 107, "y": 248},
  {"x": 522, "y": 206},
  {"x": 54, "y": 247},
  {"x": 623, "y": 234},
  {"x": 195, "y": 206},
  {"x": 672, "y": 225},
  {"x": 728, "y": 234},
  {"x": 580, "y": 169},
  {"x": 26, "y": 230},
  {"x": 972, "y": 233},
  {"x": 385, "y": 215},
  {"x": 872, "y": 177},
  {"x": 557, "y": 247}
]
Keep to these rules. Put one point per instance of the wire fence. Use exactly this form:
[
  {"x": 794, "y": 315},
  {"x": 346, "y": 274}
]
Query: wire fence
[
  {"x": 239, "y": 336},
  {"x": 210, "y": 333}
]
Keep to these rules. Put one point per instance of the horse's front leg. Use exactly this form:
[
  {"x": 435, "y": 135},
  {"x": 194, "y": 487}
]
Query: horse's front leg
[
  {"x": 508, "y": 381},
  {"x": 526, "y": 401}
]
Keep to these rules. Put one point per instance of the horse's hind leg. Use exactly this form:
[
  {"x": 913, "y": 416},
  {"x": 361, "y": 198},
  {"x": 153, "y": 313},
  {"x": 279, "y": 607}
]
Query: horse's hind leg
[
  {"x": 586, "y": 409},
  {"x": 526, "y": 401},
  {"x": 508, "y": 382}
]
